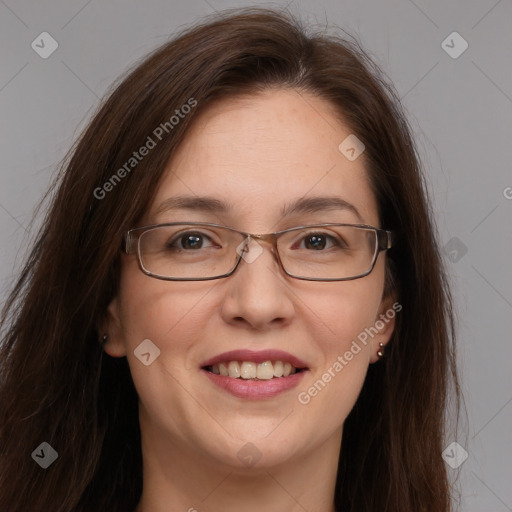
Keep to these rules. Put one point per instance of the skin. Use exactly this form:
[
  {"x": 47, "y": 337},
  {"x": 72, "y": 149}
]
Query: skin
[{"x": 259, "y": 153}]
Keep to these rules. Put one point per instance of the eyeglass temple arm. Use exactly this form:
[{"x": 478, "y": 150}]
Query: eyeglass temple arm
[
  {"x": 385, "y": 239},
  {"x": 128, "y": 242}
]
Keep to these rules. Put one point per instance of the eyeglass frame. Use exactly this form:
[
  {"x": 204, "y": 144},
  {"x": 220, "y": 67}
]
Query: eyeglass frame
[{"x": 383, "y": 236}]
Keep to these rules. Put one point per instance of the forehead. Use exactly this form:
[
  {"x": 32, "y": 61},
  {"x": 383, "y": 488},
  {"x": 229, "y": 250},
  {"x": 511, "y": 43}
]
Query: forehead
[{"x": 261, "y": 153}]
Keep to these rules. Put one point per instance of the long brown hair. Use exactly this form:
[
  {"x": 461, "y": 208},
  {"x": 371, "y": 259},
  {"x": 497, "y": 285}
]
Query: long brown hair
[{"x": 57, "y": 384}]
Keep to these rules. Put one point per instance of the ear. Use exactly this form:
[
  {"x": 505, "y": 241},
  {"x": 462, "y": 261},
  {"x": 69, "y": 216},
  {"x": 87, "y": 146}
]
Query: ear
[
  {"x": 111, "y": 326},
  {"x": 384, "y": 324}
]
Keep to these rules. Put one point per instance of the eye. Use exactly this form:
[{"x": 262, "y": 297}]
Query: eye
[
  {"x": 319, "y": 241},
  {"x": 192, "y": 240}
]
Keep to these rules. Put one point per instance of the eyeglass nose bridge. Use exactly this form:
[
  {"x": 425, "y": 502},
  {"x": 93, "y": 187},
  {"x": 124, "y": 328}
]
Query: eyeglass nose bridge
[{"x": 270, "y": 238}]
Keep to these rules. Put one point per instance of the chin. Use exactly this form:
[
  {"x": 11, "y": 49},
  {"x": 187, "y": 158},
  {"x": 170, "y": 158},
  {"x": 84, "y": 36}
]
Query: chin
[{"x": 261, "y": 446}]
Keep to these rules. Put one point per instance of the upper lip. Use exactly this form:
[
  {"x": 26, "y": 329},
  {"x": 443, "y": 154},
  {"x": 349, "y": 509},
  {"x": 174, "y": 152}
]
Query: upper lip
[{"x": 256, "y": 357}]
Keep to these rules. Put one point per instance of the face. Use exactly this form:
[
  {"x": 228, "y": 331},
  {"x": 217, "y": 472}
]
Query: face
[{"x": 258, "y": 154}]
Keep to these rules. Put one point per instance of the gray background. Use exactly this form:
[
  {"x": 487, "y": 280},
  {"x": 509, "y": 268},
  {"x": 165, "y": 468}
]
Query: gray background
[{"x": 460, "y": 109}]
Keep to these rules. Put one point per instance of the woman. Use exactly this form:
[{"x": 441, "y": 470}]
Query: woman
[{"x": 158, "y": 357}]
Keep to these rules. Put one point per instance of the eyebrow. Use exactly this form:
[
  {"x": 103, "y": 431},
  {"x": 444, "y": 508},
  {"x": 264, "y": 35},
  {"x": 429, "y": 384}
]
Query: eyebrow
[{"x": 303, "y": 205}]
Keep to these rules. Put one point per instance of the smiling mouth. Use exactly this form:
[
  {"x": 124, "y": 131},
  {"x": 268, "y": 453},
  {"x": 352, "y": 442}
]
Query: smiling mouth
[{"x": 249, "y": 370}]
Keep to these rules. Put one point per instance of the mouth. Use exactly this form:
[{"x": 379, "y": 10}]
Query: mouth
[
  {"x": 255, "y": 375},
  {"x": 249, "y": 370}
]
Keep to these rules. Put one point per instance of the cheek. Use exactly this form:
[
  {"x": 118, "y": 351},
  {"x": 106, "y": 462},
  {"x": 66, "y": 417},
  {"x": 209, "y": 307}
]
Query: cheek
[
  {"x": 346, "y": 352},
  {"x": 170, "y": 314},
  {"x": 173, "y": 317},
  {"x": 339, "y": 312},
  {"x": 338, "y": 328}
]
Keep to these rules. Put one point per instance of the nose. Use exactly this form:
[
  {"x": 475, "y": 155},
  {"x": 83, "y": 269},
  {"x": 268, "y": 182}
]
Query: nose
[{"x": 258, "y": 294}]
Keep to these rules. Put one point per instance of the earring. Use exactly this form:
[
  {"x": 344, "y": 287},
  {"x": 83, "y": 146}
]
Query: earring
[
  {"x": 380, "y": 353},
  {"x": 104, "y": 339}
]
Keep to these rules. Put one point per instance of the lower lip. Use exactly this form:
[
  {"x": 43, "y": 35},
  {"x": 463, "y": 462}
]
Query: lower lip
[{"x": 256, "y": 389}]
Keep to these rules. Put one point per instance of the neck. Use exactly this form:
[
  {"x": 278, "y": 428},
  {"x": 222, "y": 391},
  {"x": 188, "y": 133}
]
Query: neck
[{"x": 177, "y": 478}]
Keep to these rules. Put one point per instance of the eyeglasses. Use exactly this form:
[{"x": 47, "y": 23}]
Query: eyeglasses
[{"x": 200, "y": 251}]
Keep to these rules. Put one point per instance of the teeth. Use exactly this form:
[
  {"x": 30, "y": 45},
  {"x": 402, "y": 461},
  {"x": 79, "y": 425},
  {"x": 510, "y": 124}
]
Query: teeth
[
  {"x": 265, "y": 371},
  {"x": 234, "y": 369},
  {"x": 278, "y": 369},
  {"x": 250, "y": 370}
]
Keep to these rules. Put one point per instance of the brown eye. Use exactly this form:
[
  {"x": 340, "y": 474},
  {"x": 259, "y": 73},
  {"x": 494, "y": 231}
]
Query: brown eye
[
  {"x": 318, "y": 242},
  {"x": 187, "y": 241},
  {"x": 191, "y": 241},
  {"x": 315, "y": 242}
]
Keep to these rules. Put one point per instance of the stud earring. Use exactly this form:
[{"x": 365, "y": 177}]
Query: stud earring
[
  {"x": 380, "y": 353},
  {"x": 104, "y": 339}
]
